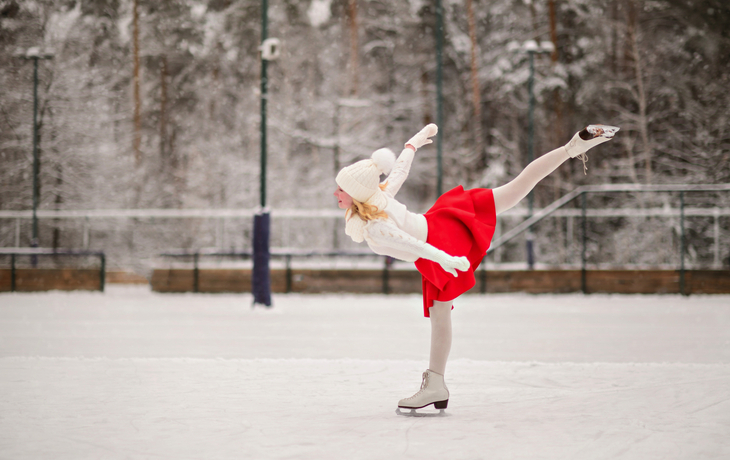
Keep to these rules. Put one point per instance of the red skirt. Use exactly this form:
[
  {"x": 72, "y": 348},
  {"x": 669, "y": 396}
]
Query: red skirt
[{"x": 460, "y": 223}]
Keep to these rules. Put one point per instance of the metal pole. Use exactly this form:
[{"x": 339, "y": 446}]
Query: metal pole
[
  {"x": 483, "y": 277},
  {"x": 531, "y": 119},
  {"x": 264, "y": 84},
  {"x": 196, "y": 274},
  {"x": 682, "y": 286},
  {"x": 583, "y": 286},
  {"x": 439, "y": 95},
  {"x": 386, "y": 275},
  {"x": 530, "y": 156},
  {"x": 12, "y": 272},
  {"x": 102, "y": 272},
  {"x": 716, "y": 227},
  {"x": 36, "y": 165},
  {"x": 261, "y": 276}
]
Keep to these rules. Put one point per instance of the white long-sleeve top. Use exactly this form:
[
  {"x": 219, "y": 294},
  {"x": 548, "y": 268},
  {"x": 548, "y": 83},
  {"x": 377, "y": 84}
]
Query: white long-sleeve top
[{"x": 403, "y": 234}]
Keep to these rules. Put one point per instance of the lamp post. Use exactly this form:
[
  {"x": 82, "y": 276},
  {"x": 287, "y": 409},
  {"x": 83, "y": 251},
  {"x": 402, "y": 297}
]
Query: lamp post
[
  {"x": 261, "y": 277},
  {"x": 439, "y": 30},
  {"x": 531, "y": 47},
  {"x": 35, "y": 54}
]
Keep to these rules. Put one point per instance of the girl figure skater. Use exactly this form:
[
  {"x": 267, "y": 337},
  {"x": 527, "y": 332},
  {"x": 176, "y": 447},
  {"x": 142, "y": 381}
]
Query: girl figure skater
[{"x": 448, "y": 242}]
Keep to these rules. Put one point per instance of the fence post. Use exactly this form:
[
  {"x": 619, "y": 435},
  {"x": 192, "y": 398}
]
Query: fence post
[
  {"x": 682, "y": 286},
  {"x": 102, "y": 272},
  {"x": 195, "y": 272},
  {"x": 483, "y": 284},
  {"x": 12, "y": 272},
  {"x": 288, "y": 273},
  {"x": 585, "y": 239},
  {"x": 386, "y": 275}
]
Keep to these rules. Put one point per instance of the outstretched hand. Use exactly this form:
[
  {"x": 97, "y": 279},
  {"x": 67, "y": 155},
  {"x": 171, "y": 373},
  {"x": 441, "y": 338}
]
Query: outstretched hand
[{"x": 422, "y": 138}]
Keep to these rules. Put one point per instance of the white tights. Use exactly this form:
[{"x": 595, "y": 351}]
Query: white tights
[
  {"x": 505, "y": 197},
  {"x": 508, "y": 195},
  {"x": 440, "y": 335}
]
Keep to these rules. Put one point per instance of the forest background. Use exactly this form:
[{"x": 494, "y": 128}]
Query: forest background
[{"x": 150, "y": 105}]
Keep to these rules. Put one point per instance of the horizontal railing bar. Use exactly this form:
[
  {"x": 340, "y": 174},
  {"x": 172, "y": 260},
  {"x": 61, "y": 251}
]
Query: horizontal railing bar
[
  {"x": 519, "y": 212},
  {"x": 647, "y": 212},
  {"x": 654, "y": 188},
  {"x": 274, "y": 253},
  {"x": 48, "y": 252},
  {"x": 169, "y": 213},
  {"x": 319, "y": 213}
]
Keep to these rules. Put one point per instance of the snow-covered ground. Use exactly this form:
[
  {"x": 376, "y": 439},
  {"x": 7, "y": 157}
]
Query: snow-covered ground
[{"x": 135, "y": 374}]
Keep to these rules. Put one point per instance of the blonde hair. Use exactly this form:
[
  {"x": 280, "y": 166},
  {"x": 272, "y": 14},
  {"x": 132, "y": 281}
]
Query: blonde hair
[{"x": 367, "y": 212}]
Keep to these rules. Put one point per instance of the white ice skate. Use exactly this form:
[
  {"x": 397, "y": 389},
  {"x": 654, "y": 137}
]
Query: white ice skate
[
  {"x": 433, "y": 391},
  {"x": 589, "y": 137}
]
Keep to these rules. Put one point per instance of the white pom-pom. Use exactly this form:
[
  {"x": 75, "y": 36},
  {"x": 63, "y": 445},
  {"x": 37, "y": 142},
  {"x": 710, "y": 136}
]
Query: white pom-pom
[{"x": 384, "y": 160}]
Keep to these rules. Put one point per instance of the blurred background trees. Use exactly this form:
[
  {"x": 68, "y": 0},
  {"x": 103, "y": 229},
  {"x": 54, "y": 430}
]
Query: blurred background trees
[{"x": 354, "y": 75}]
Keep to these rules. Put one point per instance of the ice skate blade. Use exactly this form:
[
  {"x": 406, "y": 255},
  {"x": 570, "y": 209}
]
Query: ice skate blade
[
  {"x": 594, "y": 131},
  {"x": 414, "y": 413}
]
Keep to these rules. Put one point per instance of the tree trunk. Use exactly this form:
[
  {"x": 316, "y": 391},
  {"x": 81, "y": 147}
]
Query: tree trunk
[
  {"x": 641, "y": 92},
  {"x": 354, "y": 58},
  {"x": 533, "y": 16},
  {"x": 558, "y": 128},
  {"x": 164, "y": 150}
]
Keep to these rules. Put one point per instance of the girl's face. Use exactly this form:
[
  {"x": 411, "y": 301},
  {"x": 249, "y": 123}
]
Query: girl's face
[{"x": 344, "y": 201}]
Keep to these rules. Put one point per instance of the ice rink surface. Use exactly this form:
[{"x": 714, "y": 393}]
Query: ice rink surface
[{"x": 131, "y": 374}]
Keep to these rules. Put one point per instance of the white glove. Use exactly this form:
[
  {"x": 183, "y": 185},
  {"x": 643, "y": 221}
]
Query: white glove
[
  {"x": 458, "y": 263},
  {"x": 422, "y": 138},
  {"x": 449, "y": 263}
]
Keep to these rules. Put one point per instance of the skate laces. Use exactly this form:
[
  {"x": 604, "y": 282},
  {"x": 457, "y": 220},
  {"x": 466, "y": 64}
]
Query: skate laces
[
  {"x": 584, "y": 158},
  {"x": 424, "y": 384}
]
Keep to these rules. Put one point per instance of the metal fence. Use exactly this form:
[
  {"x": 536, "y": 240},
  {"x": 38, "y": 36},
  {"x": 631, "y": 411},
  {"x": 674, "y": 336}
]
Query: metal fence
[
  {"x": 685, "y": 226},
  {"x": 581, "y": 195},
  {"x": 33, "y": 254}
]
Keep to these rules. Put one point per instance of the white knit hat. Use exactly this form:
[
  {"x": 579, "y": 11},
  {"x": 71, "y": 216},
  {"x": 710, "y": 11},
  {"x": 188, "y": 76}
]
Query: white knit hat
[{"x": 361, "y": 179}]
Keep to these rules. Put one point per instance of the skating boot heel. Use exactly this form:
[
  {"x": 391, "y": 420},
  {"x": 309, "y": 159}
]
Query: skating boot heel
[{"x": 441, "y": 404}]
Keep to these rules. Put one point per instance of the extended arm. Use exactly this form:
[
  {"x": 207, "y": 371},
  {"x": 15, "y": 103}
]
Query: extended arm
[
  {"x": 399, "y": 173},
  {"x": 381, "y": 233},
  {"x": 402, "y": 166}
]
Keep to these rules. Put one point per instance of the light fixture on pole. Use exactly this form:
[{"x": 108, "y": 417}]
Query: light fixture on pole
[
  {"x": 35, "y": 54},
  {"x": 531, "y": 47}
]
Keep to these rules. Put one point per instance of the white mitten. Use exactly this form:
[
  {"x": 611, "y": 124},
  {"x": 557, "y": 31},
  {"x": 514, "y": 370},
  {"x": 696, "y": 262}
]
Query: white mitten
[
  {"x": 422, "y": 138},
  {"x": 455, "y": 263},
  {"x": 449, "y": 263}
]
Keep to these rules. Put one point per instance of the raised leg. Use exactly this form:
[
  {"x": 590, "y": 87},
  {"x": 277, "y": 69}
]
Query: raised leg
[{"x": 508, "y": 195}]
